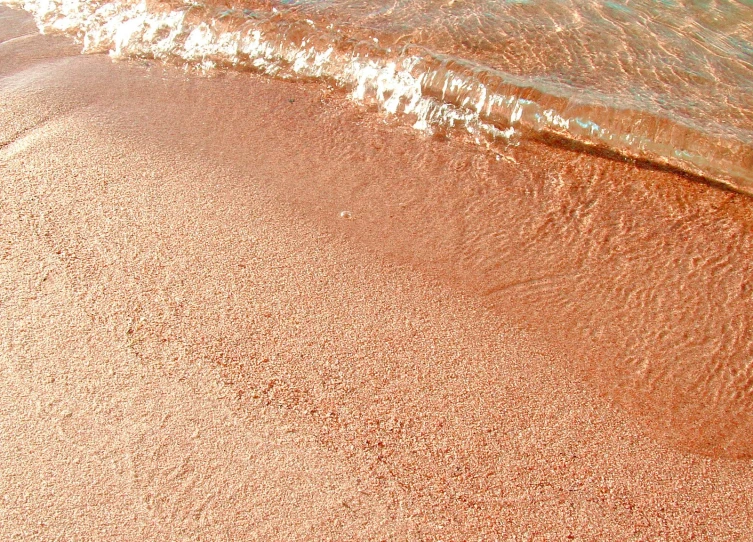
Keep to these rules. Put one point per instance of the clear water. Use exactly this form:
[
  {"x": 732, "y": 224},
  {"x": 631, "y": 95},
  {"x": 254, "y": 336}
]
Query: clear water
[{"x": 664, "y": 82}]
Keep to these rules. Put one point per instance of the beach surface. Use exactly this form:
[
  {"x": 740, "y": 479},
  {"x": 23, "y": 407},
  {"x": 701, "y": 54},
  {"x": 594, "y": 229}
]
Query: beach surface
[{"x": 216, "y": 324}]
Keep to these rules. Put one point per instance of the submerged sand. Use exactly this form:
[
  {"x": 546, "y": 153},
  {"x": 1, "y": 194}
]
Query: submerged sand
[{"x": 195, "y": 344}]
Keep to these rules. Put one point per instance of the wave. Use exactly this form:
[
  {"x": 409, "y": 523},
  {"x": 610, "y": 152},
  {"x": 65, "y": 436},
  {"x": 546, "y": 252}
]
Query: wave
[{"x": 435, "y": 91}]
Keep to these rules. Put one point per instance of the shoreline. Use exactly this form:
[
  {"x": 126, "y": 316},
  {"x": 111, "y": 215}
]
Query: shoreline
[
  {"x": 196, "y": 344},
  {"x": 435, "y": 93}
]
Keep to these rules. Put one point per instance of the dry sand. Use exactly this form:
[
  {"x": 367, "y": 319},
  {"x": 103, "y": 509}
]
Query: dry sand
[{"x": 194, "y": 347}]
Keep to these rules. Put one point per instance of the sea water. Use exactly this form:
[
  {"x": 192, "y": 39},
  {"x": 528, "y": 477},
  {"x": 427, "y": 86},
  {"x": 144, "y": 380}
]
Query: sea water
[{"x": 664, "y": 82}]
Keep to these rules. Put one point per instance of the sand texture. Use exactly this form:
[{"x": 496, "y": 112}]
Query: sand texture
[{"x": 196, "y": 344}]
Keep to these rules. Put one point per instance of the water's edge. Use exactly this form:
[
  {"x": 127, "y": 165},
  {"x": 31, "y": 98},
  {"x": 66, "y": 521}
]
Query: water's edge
[{"x": 436, "y": 92}]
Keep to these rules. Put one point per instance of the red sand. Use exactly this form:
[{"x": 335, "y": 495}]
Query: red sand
[{"x": 196, "y": 346}]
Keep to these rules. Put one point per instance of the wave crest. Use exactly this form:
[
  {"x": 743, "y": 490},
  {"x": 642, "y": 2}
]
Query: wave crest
[{"x": 433, "y": 90}]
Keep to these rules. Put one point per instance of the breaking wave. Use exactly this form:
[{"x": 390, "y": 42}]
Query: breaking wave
[{"x": 435, "y": 91}]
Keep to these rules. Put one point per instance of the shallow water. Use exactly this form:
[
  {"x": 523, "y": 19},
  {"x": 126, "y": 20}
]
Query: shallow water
[
  {"x": 687, "y": 61},
  {"x": 669, "y": 83}
]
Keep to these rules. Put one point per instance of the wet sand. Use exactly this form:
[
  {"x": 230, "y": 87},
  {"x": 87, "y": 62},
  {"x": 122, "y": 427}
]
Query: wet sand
[{"x": 196, "y": 346}]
